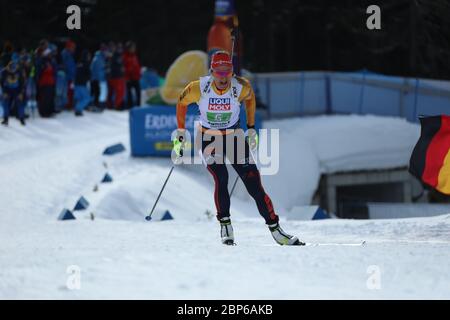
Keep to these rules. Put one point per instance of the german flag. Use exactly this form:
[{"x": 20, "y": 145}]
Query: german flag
[{"x": 430, "y": 159}]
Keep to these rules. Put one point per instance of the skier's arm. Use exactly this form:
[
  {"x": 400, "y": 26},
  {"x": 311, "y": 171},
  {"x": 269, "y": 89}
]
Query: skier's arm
[
  {"x": 248, "y": 97},
  {"x": 190, "y": 94}
]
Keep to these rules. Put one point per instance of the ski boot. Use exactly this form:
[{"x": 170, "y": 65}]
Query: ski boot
[
  {"x": 5, "y": 122},
  {"x": 282, "y": 238},
  {"x": 226, "y": 231}
]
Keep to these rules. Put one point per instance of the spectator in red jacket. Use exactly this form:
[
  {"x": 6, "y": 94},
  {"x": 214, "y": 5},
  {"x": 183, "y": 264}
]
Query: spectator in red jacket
[
  {"x": 116, "y": 77},
  {"x": 46, "y": 78},
  {"x": 132, "y": 74}
]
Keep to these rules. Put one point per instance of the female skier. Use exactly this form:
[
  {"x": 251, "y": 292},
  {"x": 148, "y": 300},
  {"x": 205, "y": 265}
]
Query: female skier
[{"x": 219, "y": 97}]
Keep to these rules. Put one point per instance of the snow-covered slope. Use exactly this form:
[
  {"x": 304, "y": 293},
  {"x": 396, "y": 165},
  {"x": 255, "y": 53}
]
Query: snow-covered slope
[{"x": 50, "y": 163}]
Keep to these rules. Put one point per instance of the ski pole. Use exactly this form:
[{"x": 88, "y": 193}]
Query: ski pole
[
  {"x": 237, "y": 178},
  {"x": 234, "y": 185},
  {"x": 233, "y": 38},
  {"x": 149, "y": 217}
]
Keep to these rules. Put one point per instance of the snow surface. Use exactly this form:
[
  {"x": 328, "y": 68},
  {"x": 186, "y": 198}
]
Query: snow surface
[{"x": 50, "y": 163}]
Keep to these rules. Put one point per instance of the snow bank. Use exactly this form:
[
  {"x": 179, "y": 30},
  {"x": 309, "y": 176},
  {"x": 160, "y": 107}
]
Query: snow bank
[{"x": 313, "y": 146}]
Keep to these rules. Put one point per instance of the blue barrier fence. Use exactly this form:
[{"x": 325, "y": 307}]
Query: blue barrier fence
[{"x": 311, "y": 93}]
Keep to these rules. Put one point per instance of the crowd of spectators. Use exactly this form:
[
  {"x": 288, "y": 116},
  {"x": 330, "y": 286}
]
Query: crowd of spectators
[{"x": 52, "y": 80}]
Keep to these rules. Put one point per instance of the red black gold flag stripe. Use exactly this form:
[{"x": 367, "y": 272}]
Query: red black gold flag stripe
[{"x": 430, "y": 159}]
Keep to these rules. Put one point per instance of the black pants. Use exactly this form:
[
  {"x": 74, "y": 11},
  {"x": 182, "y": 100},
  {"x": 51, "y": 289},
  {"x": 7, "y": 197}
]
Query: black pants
[
  {"x": 46, "y": 100},
  {"x": 247, "y": 171},
  {"x": 133, "y": 85},
  {"x": 95, "y": 92}
]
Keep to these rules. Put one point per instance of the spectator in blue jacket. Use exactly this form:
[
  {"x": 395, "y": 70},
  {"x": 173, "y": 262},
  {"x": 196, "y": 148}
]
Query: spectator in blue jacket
[
  {"x": 12, "y": 83},
  {"x": 70, "y": 68},
  {"x": 83, "y": 74},
  {"x": 98, "y": 73}
]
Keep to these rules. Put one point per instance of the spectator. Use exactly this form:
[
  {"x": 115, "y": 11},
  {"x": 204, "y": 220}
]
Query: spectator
[
  {"x": 116, "y": 80},
  {"x": 46, "y": 79},
  {"x": 12, "y": 84},
  {"x": 43, "y": 45},
  {"x": 7, "y": 53},
  {"x": 61, "y": 89},
  {"x": 98, "y": 73},
  {"x": 25, "y": 63},
  {"x": 132, "y": 74},
  {"x": 61, "y": 86},
  {"x": 38, "y": 66},
  {"x": 83, "y": 74},
  {"x": 108, "y": 58},
  {"x": 26, "y": 68},
  {"x": 70, "y": 67},
  {"x": 38, "y": 55}
]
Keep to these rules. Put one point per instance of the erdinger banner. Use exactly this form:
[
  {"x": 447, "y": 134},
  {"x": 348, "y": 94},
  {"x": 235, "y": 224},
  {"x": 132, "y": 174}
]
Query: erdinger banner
[{"x": 151, "y": 128}]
